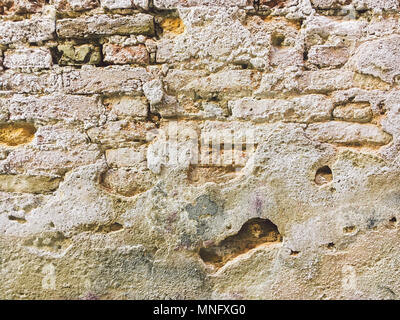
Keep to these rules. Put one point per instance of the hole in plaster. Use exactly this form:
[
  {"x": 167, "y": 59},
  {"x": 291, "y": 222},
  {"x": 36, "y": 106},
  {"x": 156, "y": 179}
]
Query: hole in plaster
[
  {"x": 277, "y": 40},
  {"x": 330, "y": 245},
  {"x": 381, "y": 108},
  {"x": 323, "y": 175},
  {"x": 294, "y": 253},
  {"x": 253, "y": 233},
  {"x": 17, "y": 219},
  {"x": 393, "y": 222},
  {"x": 305, "y": 55},
  {"x": 349, "y": 229}
]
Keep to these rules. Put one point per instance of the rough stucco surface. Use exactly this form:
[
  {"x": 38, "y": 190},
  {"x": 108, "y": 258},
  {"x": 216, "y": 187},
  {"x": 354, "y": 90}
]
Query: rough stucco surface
[{"x": 199, "y": 149}]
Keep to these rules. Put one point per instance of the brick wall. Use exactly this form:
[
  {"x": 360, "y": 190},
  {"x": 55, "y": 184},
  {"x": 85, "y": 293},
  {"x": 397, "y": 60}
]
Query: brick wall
[{"x": 199, "y": 149}]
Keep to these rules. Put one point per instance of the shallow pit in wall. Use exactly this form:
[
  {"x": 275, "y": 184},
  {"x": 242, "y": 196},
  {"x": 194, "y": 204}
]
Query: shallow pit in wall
[
  {"x": 16, "y": 133},
  {"x": 254, "y": 232}
]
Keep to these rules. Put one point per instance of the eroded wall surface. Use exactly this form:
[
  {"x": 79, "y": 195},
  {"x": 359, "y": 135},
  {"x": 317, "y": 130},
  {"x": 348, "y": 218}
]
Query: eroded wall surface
[{"x": 199, "y": 149}]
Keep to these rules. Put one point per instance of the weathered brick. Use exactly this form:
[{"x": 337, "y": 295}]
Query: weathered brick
[
  {"x": 376, "y": 4},
  {"x": 125, "y": 4},
  {"x": 348, "y": 133},
  {"x": 60, "y": 135},
  {"x": 28, "y": 183},
  {"x": 176, "y": 79},
  {"x": 125, "y": 157},
  {"x": 43, "y": 82},
  {"x": 378, "y": 58},
  {"x": 311, "y": 108},
  {"x": 73, "y": 54},
  {"x": 274, "y": 4},
  {"x": 30, "y": 30},
  {"x": 355, "y": 112},
  {"x": 325, "y": 80},
  {"x": 28, "y": 58},
  {"x": 53, "y": 107},
  {"x": 75, "y": 5},
  {"x": 228, "y": 41},
  {"x": 111, "y": 79},
  {"x": 382, "y": 26},
  {"x": 103, "y": 25},
  {"x": 232, "y": 82},
  {"x": 128, "y": 182},
  {"x": 329, "y": 4},
  {"x": 322, "y": 30},
  {"x": 154, "y": 91},
  {"x": 286, "y": 57},
  {"x": 328, "y": 56},
  {"x": 125, "y": 55},
  {"x": 173, "y": 4},
  {"x": 125, "y": 106},
  {"x": 120, "y": 133},
  {"x": 49, "y": 161},
  {"x": 21, "y": 6}
]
